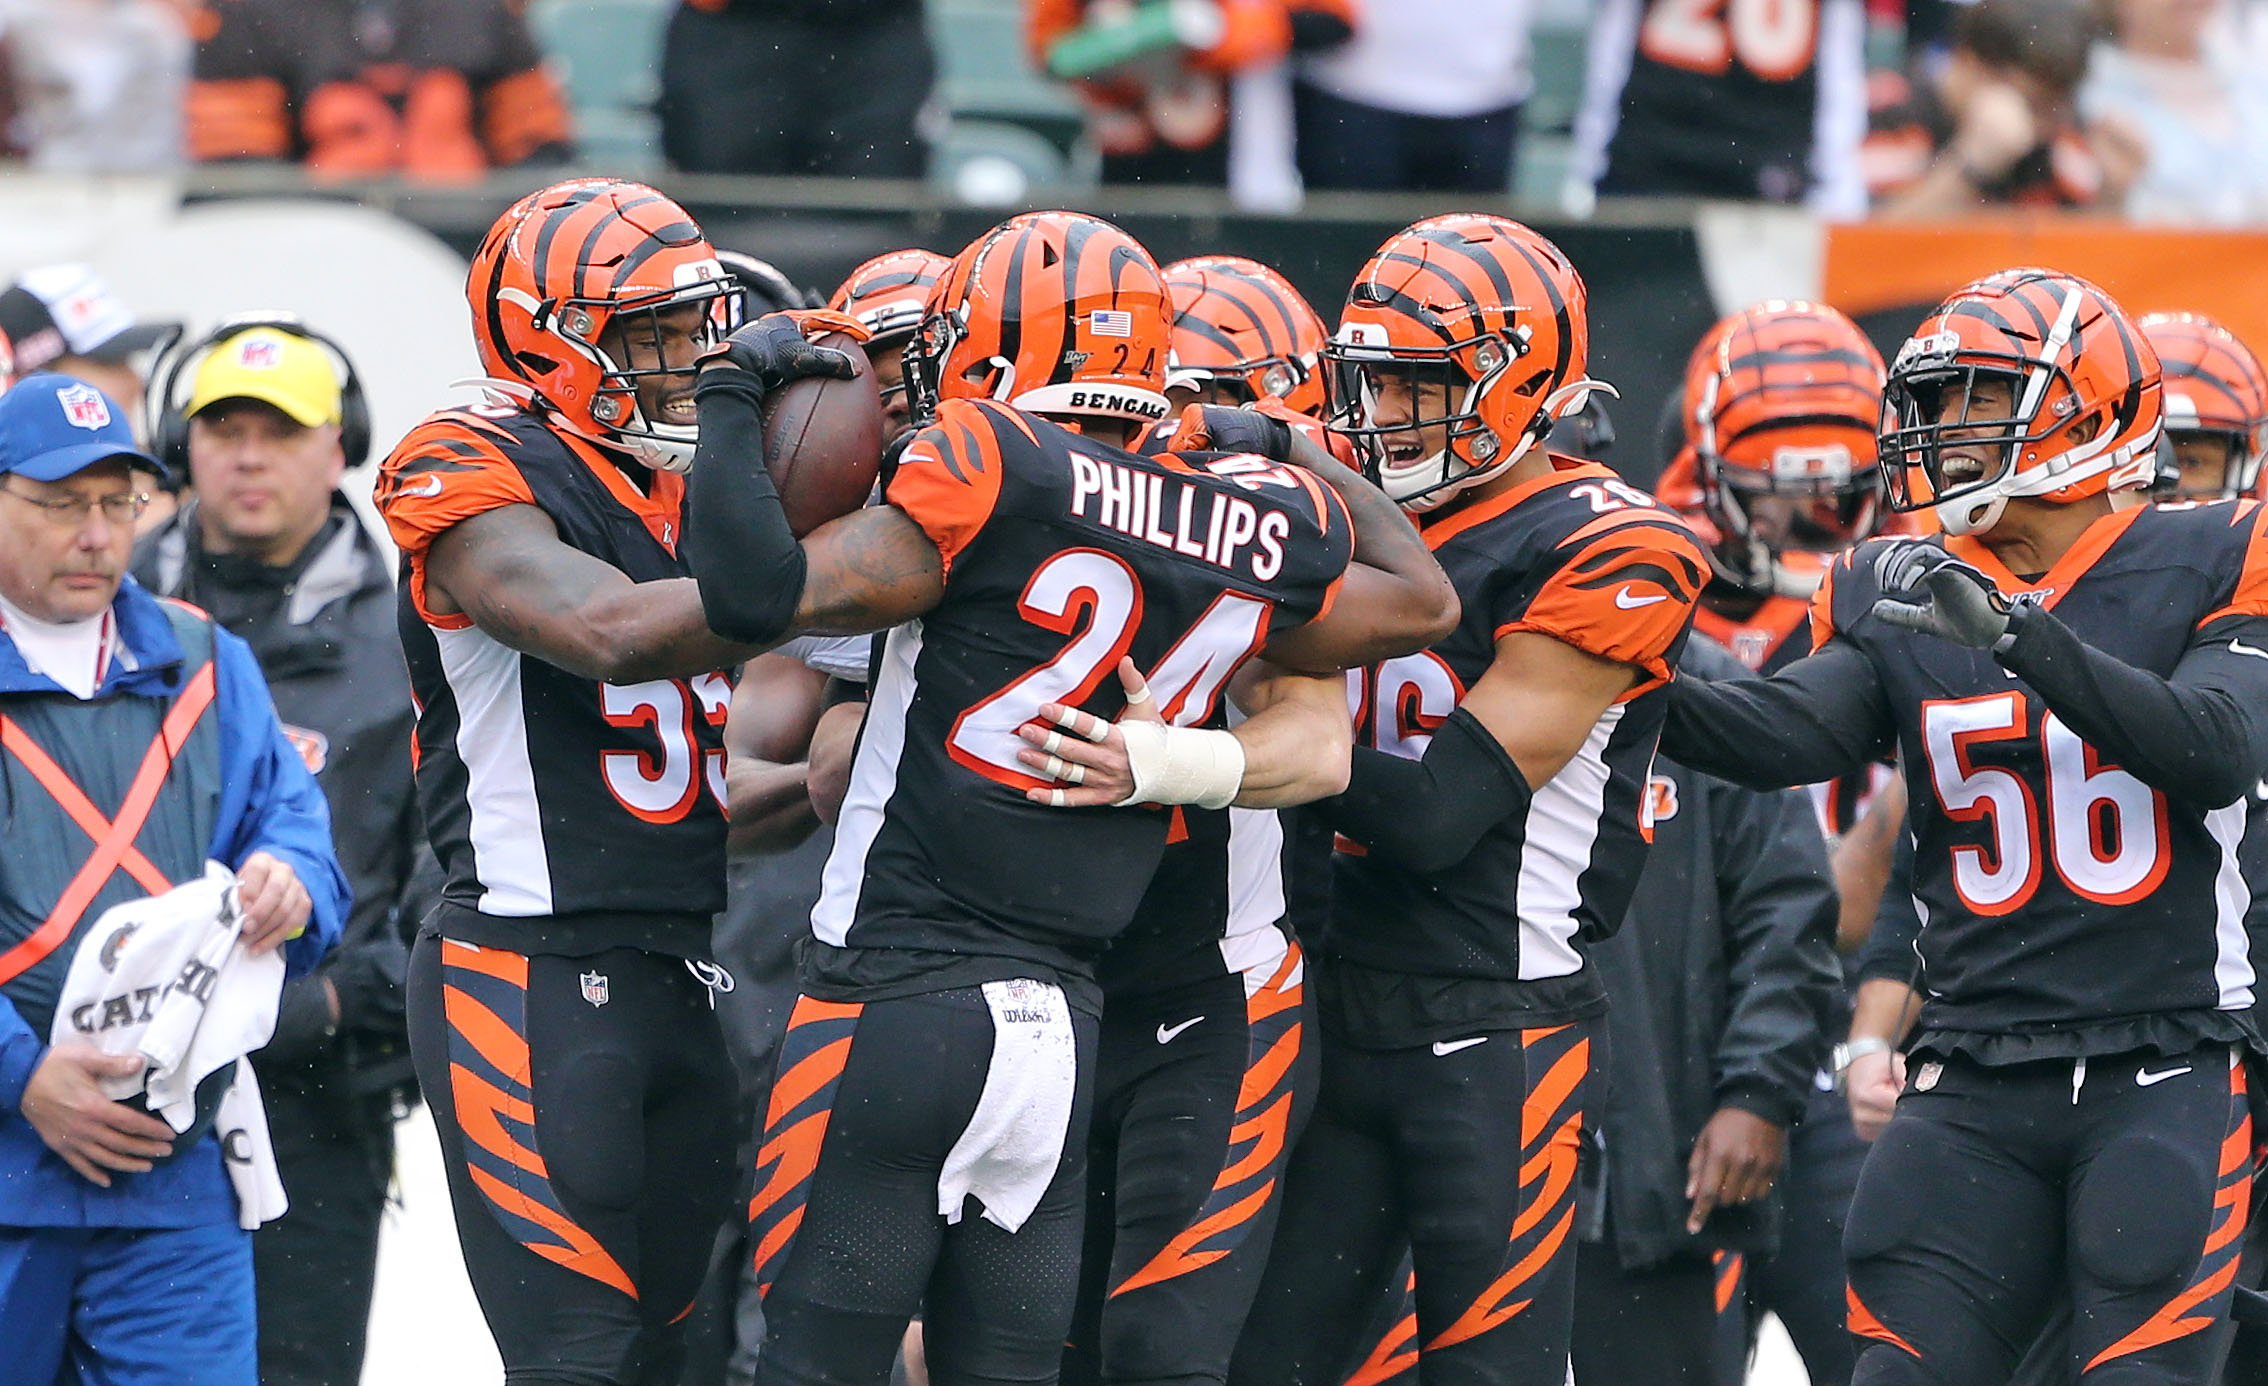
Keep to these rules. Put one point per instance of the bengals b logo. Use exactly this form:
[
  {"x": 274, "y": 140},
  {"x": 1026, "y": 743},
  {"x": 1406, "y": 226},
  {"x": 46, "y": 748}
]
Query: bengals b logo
[{"x": 1660, "y": 803}]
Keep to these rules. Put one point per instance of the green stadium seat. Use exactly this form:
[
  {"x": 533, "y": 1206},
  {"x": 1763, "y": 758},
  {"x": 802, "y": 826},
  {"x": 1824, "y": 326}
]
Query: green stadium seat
[
  {"x": 983, "y": 71},
  {"x": 608, "y": 53},
  {"x": 1557, "y": 62}
]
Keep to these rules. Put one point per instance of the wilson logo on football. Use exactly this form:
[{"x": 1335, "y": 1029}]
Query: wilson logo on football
[{"x": 84, "y": 407}]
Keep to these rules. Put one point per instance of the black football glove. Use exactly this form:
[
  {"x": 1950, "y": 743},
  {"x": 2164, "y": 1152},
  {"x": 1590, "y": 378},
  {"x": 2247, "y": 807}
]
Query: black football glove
[
  {"x": 773, "y": 351},
  {"x": 1958, "y": 603},
  {"x": 1232, "y": 428}
]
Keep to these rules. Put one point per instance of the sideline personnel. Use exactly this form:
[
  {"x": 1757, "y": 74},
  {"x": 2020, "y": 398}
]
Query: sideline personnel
[{"x": 136, "y": 741}]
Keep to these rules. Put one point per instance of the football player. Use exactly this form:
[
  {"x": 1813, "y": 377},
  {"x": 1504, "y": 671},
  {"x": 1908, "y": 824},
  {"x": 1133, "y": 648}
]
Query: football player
[
  {"x": 924, "y": 1148},
  {"x": 1242, "y": 333},
  {"x": 1492, "y": 822},
  {"x": 571, "y": 701},
  {"x": 887, "y": 295},
  {"x": 2216, "y": 405},
  {"x": 2076, "y": 690}
]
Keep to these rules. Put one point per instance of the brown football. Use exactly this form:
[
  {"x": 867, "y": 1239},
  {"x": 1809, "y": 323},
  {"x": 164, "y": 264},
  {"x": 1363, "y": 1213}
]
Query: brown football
[{"x": 823, "y": 441}]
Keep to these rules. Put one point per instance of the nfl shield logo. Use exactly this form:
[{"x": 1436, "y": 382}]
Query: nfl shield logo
[
  {"x": 259, "y": 354},
  {"x": 594, "y": 988},
  {"x": 83, "y": 407}
]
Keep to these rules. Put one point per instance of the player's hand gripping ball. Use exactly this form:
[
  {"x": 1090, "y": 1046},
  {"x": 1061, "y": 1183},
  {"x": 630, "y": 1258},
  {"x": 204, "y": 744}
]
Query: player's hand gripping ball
[{"x": 823, "y": 421}]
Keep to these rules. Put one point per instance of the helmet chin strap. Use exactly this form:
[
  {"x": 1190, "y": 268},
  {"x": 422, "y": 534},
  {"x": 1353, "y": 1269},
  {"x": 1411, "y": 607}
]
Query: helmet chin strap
[{"x": 1971, "y": 514}]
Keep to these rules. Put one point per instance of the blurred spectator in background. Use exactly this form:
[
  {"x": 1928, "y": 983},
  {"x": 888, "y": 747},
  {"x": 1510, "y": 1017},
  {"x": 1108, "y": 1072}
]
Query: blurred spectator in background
[
  {"x": 815, "y": 87},
  {"x": 1426, "y": 96},
  {"x": 266, "y": 427},
  {"x": 1999, "y": 125},
  {"x": 440, "y": 90},
  {"x": 1155, "y": 75},
  {"x": 92, "y": 86},
  {"x": 2201, "y": 113},
  {"x": 1746, "y": 99}
]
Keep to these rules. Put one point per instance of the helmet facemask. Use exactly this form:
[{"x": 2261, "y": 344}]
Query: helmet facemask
[
  {"x": 1414, "y": 414},
  {"x": 643, "y": 347},
  {"x": 1813, "y": 501},
  {"x": 1958, "y": 437}
]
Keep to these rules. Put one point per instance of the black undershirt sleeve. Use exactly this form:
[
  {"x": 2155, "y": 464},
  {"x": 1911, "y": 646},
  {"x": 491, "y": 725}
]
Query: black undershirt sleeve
[
  {"x": 2199, "y": 735},
  {"x": 1428, "y": 814},
  {"x": 1820, "y": 717},
  {"x": 749, "y": 565}
]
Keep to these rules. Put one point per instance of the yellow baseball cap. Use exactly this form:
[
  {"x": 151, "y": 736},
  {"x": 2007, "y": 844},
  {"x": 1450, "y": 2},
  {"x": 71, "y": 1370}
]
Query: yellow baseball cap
[{"x": 274, "y": 367}]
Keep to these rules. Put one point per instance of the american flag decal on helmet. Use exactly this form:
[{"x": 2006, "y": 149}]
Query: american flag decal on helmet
[{"x": 1111, "y": 322}]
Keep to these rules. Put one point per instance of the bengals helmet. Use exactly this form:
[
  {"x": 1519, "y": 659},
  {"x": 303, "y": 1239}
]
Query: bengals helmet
[
  {"x": 2026, "y": 383},
  {"x": 1477, "y": 306},
  {"x": 890, "y": 293},
  {"x": 2216, "y": 400},
  {"x": 1239, "y": 325},
  {"x": 560, "y": 269},
  {"x": 1057, "y": 313},
  {"x": 1781, "y": 403}
]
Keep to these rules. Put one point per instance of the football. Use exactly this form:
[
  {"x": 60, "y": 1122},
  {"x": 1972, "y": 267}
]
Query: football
[{"x": 823, "y": 441}]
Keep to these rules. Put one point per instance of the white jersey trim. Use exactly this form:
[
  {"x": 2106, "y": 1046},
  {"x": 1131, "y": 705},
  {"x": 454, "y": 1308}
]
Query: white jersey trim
[
  {"x": 2232, "y": 960},
  {"x": 874, "y": 777},
  {"x": 505, "y": 816},
  {"x": 1562, "y": 828}
]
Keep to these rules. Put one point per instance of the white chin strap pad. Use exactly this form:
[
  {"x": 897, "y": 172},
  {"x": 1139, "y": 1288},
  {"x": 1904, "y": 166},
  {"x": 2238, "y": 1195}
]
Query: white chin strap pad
[
  {"x": 1182, "y": 765},
  {"x": 1971, "y": 514}
]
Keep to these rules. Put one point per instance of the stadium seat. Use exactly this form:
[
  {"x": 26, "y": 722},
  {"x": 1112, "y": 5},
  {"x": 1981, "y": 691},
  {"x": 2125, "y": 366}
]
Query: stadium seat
[
  {"x": 1557, "y": 62},
  {"x": 608, "y": 53},
  {"x": 983, "y": 72}
]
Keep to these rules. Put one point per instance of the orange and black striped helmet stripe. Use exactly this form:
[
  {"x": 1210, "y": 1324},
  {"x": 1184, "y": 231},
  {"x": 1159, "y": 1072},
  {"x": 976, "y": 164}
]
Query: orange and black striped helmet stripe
[{"x": 2218, "y": 373}]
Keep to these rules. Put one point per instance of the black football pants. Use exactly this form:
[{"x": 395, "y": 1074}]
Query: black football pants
[
  {"x": 2122, "y": 1189},
  {"x": 586, "y": 1109}
]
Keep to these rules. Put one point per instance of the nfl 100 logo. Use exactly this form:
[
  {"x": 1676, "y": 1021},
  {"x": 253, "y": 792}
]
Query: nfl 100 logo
[
  {"x": 84, "y": 407},
  {"x": 260, "y": 354}
]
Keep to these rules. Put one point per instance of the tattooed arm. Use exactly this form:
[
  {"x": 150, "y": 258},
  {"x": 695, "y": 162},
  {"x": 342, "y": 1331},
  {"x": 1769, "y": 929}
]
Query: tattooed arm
[{"x": 521, "y": 584}]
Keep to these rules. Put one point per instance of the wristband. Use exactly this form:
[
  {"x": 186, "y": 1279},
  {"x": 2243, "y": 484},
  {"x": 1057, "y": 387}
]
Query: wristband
[{"x": 1182, "y": 765}]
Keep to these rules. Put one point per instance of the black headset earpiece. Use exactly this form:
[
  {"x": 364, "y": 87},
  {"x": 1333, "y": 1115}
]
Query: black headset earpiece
[{"x": 169, "y": 433}]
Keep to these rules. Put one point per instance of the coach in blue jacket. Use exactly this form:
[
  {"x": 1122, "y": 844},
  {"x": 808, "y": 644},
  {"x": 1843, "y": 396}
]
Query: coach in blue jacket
[{"x": 136, "y": 741}]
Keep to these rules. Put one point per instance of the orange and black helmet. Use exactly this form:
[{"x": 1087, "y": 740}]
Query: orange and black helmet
[
  {"x": 2026, "y": 383},
  {"x": 1058, "y": 313},
  {"x": 579, "y": 264},
  {"x": 1781, "y": 402},
  {"x": 2216, "y": 398},
  {"x": 1479, "y": 306},
  {"x": 890, "y": 293},
  {"x": 1241, "y": 327}
]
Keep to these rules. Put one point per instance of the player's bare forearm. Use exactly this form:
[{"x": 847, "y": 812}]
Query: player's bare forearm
[
  {"x": 1297, "y": 736},
  {"x": 1542, "y": 697},
  {"x": 832, "y": 747},
  {"x": 1861, "y": 865},
  {"x": 1884, "y": 1009},
  {"x": 868, "y": 571},
  {"x": 775, "y": 706},
  {"x": 508, "y": 570},
  {"x": 771, "y": 806},
  {"x": 1395, "y": 599}
]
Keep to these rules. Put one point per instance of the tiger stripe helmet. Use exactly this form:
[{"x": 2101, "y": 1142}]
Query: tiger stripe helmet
[
  {"x": 890, "y": 293},
  {"x": 1053, "y": 312},
  {"x": 2085, "y": 408},
  {"x": 2214, "y": 390},
  {"x": 562, "y": 266},
  {"x": 1480, "y": 304},
  {"x": 1236, "y": 321},
  {"x": 1782, "y": 400}
]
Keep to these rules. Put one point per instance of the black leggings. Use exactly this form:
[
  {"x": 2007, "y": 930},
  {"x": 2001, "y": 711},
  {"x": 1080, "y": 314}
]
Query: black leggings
[
  {"x": 585, "y": 1107},
  {"x": 1998, "y": 1194},
  {"x": 849, "y": 1245},
  {"x": 1461, "y": 1152}
]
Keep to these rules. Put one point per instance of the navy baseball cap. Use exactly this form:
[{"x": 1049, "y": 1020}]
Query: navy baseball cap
[{"x": 52, "y": 426}]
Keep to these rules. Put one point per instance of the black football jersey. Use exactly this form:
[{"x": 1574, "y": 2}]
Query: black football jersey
[
  {"x": 2061, "y": 896},
  {"x": 548, "y": 793},
  {"x": 1725, "y": 98},
  {"x": 1579, "y": 556},
  {"x": 1062, "y": 554}
]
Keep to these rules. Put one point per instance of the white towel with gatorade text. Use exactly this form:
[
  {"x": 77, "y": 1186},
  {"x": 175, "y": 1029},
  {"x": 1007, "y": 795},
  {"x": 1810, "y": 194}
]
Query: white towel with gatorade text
[
  {"x": 165, "y": 977},
  {"x": 1007, "y": 1155}
]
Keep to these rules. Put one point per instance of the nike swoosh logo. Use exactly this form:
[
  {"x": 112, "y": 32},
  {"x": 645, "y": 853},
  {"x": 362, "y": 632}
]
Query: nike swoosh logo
[
  {"x": 1442, "y": 1049},
  {"x": 2144, "y": 1077},
  {"x": 429, "y": 487},
  {"x": 1168, "y": 1033},
  {"x": 2239, "y": 647},
  {"x": 1623, "y": 599}
]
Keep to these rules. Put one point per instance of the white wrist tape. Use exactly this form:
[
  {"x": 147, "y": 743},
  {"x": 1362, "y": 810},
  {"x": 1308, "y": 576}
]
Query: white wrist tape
[{"x": 1182, "y": 765}]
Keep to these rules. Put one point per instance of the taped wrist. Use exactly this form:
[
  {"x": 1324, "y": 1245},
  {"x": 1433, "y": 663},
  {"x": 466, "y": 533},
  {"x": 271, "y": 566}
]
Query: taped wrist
[
  {"x": 749, "y": 565},
  {"x": 1429, "y": 814},
  {"x": 1182, "y": 765}
]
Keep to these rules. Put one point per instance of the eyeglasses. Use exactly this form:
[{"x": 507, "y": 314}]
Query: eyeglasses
[{"x": 120, "y": 508}]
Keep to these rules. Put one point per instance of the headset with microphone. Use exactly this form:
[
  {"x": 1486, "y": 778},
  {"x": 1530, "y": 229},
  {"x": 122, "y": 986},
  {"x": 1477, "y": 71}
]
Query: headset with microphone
[{"x": 169, "y": 433}]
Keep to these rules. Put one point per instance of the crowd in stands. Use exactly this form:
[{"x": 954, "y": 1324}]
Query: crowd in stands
[{"x": 2141, "y": 108}]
